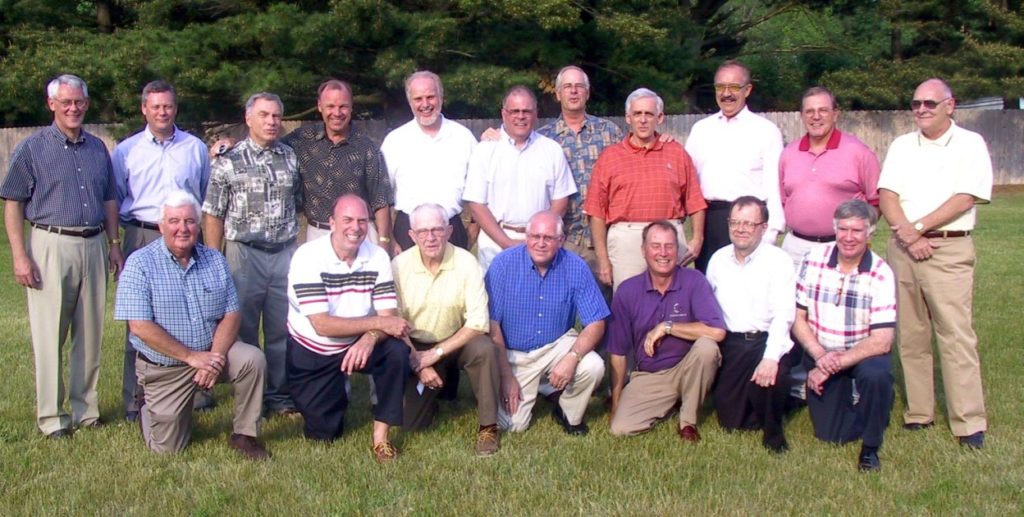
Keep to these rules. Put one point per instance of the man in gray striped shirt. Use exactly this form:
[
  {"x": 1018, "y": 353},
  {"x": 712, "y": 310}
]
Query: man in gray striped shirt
[{"x": 61, "y": 181}]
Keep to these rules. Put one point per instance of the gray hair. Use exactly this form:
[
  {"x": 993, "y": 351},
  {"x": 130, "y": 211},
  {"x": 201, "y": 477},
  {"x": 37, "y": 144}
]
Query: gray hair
[
  {"x": 520, "y": 90},
  {"x": 734, "y": 63},
  {"x": 818, "y": 90},
  {"x": 426, "y": 208},
  {"x": 266, "y": 96},
  {"x": 177, "y": 199},
  {"x": 561, "y": 73},
  {"x": 642, "y": 93},
  {"x": 856, "y": 209},
  {"x": 67, "y": 80},
  {"x": 429, "y": 75},
  {"x": 159, "y": 86},
  {"x": 559, "y": 224}
]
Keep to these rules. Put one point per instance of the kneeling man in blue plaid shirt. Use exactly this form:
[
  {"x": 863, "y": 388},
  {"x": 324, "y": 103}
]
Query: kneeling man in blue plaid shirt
[{"x": 182, "y": 312}]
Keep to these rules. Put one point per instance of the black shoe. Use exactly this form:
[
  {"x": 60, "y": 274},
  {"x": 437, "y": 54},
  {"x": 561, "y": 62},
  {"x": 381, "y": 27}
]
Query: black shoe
[
  {"x": 60, "y": 434},
  {"x": 973, "y": 441},
  {"x": 777, "y": 446},
  {"x": 579, "y": 429},
  {"x": 869, "y": 461},
  {"x": 918, "y": 426},
  {"x": 131, "y": 416},
  {"x": 205, "y": 408}
]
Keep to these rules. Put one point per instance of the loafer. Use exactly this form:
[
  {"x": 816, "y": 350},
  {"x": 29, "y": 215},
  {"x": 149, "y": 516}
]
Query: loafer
[
  {"x": 488, "y": 441},
  {"x": 60, "y": 434},
  {"x": 973, "y": 441},
  {"x": 918, "y": 426},
  {"x": 285, "y": 412},
  {"x": 868, "y": 461},
  {"x": 579, "y": 429},
  {"x": 131, "y": 416},
  {"x": 248, "y": 447},
  {"x": 689, "y": 434},
  {"x": 384, "y": 452},
  {"x": 95, "y": 424},
  {"x": 776, "y": 446}
]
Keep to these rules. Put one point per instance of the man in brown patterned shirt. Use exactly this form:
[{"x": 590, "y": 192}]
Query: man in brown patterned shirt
[
  {"x": 252, "y": 200},
  {"x": 334, "y": 159}
]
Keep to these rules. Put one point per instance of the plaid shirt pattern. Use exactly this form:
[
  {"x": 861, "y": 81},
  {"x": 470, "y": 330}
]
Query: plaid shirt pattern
[
  {"x": 842, "y": 309},
  {"x": 188, "y": 303},
  {"x": 581, "y": 150}
]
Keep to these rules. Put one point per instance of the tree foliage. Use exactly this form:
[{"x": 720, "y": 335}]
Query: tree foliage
[{"x": 217, "y": 52}]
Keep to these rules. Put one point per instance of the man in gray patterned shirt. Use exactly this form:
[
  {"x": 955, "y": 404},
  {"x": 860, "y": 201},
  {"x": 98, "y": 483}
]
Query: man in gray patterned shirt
[{"x": 252, "y": 201}]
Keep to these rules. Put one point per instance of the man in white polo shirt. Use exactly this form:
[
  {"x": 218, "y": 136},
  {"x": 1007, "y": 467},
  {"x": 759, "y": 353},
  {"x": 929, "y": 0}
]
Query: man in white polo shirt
[
  {"x": 343, "y": 318},
  {"x": 427, "y": 159}
]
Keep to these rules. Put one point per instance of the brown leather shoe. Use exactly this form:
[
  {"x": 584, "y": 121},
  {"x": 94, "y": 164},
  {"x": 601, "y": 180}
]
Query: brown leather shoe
[
  {"x": 248, "y": 446},
  {"x": 689, "y": 434},
  {"x": 488, "y": 440},
  {"x": 384, "y": 452}
]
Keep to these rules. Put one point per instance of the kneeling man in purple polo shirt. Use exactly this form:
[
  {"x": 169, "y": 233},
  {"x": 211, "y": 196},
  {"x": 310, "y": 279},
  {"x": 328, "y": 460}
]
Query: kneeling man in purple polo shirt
[
  {"x": 668, "y": 319},
  {"x": 537, "y": 290}
]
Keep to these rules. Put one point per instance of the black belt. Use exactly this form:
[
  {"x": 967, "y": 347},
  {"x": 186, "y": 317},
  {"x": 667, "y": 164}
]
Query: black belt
[
  {"x": 319, "y": 226},
  {"x": 143, "y": 224},
  {"x": 946, "y": 235},
  {"x": 152, "y": 362},
  {"x": 826, "y": 238},
  {"x": 717, "y": 204},
  {"x": 269, "y": 248},
  {"x": 86, "y": 233},
  {"x": 756, "y": 335}
]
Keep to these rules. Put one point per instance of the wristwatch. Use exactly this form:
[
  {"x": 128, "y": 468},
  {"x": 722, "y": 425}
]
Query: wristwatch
[
  {"x": 668, "y": 327},
  {"x": 439, "y": 351},
  {"x": 919, "y": 226}
]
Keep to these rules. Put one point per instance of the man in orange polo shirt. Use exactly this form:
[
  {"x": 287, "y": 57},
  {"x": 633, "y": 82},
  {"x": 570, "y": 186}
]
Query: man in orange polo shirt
[{"x": 635, "y": 182}]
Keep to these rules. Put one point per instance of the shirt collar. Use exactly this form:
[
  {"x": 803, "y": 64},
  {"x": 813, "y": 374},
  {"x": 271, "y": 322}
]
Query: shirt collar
[
  {"x": 447, "y": 261},
  {"x": 745, "y": 112},
  {"x": 510, "y": 141},
  {"x": 170, "y": 256},
  {"x": 56, "y": 132},
  {"x": 832, "y": 144},
  {"x": 675, "y": 285},
  {"x": 942, "y": 141},
  {"x": 562, "y": 128},
  {"x": 150, "y": 137},
  {"x": 525, "y": 257},
  {"x": 658, "y": 144},
  {"x": 274, "y": 147},
  {"x": 863, "y": 267},
  {"x": 750, "y": 258}
]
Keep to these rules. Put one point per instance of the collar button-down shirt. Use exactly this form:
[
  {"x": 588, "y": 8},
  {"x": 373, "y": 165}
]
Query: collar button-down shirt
[
  {"x": 257, "y": 192},
  {"x": 756, "y": 295},
  {"x": 582, "y": 150},
  {"x": 146, "y": 170},
  {"x": 843, "y": 308},
  {"x": 187, "y": 302}
]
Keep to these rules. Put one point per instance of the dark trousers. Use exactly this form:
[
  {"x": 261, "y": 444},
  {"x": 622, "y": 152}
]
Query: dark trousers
[
  {"x": 742, "y": 404},
  {"x": 716, "y": 232},
  {"x": 318, "y": 386},
  {"x": 401, "y": 231},
  {"x": 479, "y": 357},
  {"x": 835, "y": 417}
]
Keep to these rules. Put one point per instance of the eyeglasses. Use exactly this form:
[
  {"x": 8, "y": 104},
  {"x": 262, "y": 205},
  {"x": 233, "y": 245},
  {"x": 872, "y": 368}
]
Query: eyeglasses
[
  {"x": 746, "y": 225},
  {"x": 838, "y": 297},
  {"x": 67, "y": 103},
  {"x": 574, "y": 86},
  {"x": 547, "y": 239},
  {"x": 729, "y": 87},
  {"x": 928, "y": 104},
  {"x": 516, "y": 113},
  {"x": 436, "y": 231},
  {"x": 821, "y": 112}
]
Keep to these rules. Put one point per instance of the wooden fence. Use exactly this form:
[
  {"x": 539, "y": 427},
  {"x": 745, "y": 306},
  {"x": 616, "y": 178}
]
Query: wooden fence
[{"x": 1002, "y": 129}]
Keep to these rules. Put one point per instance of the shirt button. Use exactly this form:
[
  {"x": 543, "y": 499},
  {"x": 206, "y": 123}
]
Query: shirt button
[
  {"x": 540, "y": 314},
  {"x": 541, "y": 297}
]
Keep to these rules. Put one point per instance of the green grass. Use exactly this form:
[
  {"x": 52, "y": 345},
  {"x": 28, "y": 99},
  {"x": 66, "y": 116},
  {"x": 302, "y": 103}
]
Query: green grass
[{"x": 541, "y": 471}]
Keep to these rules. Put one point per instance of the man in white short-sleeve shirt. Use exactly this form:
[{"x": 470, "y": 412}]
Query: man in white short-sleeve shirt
[{"x": 514, "y": 177}]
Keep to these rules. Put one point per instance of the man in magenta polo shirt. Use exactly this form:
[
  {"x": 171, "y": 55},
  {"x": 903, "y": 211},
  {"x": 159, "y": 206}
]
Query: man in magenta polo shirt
[
  {"x": 820, "y": 171},
  {"x": 669, "y": 321}
]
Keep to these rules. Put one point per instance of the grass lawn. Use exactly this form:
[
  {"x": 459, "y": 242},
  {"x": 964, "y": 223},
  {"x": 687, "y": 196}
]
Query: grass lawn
[{"x": 542, "y": 471}]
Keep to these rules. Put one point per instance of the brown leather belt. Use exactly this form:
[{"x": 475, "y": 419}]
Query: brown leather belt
[
  {"x": 747, "y": 336},
  {"x": 86, "y": 233},
  {"x": 946, "y": 235},
  {"x": 319, "y": 226},
  {"x": 268, "y": 248},
  {"x": 518, "y": 229},
  {"x": 825, "y": 238},
  {"x": 143, "y": 224}
]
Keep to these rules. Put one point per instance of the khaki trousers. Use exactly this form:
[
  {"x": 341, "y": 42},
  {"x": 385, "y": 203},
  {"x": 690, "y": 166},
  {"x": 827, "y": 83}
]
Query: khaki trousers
[
  {"x": 797, "y": 248},
  {"x": 531, "y": 370},
  {"x": 625, "y": 250},
  {"x": 487, "y": 249},
  {"x": 166, "y": 417},
  {"x": 937, "y": 295},
  {"x": 650, "y": 396},
  {"x": 72, "y": 297}
]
